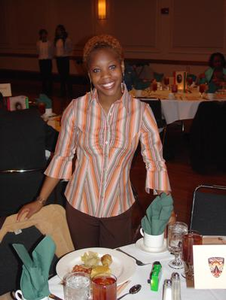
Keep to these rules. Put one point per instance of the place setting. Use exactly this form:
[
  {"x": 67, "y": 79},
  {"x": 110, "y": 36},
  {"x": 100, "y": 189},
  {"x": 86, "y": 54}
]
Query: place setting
[{"x": 153, "y": 225}]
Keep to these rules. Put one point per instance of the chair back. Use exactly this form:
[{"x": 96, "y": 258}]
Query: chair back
[
  {"x": 209, "y": 210},
  {"x": 156, "y": 107},
  {"x": 50, "y": 220}
]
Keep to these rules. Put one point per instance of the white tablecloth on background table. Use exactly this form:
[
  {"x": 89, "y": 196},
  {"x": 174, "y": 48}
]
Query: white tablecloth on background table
[
  {"x": 177, "y": 110},
  {"x": 142, "y": 274}
]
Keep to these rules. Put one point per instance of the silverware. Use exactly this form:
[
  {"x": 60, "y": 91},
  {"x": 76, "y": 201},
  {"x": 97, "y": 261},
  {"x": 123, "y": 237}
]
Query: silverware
[
  {"x": 138, "y": 262},
  {"x": 133, "y": 290},
  {"x": 52, "y": 296}
]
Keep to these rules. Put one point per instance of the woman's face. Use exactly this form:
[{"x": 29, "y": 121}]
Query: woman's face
[
  {"x": 105, "y": 71},
  {"x": 59, "y": 31},
  {"x": 217, "y": 62}
]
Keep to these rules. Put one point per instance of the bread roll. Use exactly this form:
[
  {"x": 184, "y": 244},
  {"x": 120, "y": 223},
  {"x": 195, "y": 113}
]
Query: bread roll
[{"x": 106, "y": 260}]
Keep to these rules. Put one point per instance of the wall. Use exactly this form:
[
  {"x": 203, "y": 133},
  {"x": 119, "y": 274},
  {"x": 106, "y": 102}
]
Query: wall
[{"x": 180, "y": 40}]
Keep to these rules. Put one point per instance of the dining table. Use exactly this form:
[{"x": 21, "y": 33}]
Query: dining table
[
  {"x": 178, "y": 106},
  {"x": 141, "y": 275}
]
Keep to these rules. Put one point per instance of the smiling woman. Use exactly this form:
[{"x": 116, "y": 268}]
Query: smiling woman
[{"x": 103, "y": 128}]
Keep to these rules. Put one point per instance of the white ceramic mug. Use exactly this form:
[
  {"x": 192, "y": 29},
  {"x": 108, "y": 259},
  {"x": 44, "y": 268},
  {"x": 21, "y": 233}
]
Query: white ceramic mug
[
  {"x": 153, "y": 241},
  {"x": 210, "y": 96},
  {"x": 19, "y": 296},
  {"x": 138, "y": 93},
  {"x": 171, "y": 96}
]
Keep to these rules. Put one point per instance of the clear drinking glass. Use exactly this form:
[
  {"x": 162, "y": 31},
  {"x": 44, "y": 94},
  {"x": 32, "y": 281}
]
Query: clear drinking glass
[
  {"x": 76, "y": 286},
  {"x": 175, "y": 234},
  {"x": 188, "y": 240}
]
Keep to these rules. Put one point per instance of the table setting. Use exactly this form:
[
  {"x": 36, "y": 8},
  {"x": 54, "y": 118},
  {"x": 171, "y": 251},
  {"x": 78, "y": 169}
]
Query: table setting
[{"x": 141, "y": 270}]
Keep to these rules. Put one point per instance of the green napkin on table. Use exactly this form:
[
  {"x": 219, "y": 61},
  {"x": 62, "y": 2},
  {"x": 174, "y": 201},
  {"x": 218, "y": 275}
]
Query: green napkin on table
[
  {"x": 34, "y": 279},
  {"x": 157, "y": 215},
  {"x": 43, "y": 98}
]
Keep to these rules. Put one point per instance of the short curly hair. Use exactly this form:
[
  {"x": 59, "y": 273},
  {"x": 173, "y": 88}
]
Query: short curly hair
[
  {"x": 212, "y": 57},
  {"x": 100, "y": 42}
]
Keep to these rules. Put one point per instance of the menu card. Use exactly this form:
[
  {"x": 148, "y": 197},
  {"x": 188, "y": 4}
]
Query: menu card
[{"x": 209, "y": 266}]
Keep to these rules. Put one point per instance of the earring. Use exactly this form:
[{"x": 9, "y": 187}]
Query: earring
[
  {"x": 91, "y": 88},
  {"x": 123, "y": 84}
]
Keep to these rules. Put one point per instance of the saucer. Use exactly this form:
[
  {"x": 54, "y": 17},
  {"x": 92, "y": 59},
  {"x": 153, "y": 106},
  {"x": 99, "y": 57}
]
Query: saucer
[{"x": 140, "y": 245}]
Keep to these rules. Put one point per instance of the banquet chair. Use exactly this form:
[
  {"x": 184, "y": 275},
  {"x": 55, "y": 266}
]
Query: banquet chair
[
  {"x": 209, "y": 210},
  {"x": 156, "y": 107},
  {"x": 50, "y": 220},
  {"x": 207, "y": 137}
]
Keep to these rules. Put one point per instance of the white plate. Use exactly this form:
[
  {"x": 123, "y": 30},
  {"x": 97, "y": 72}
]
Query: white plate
[
  {"x": 140, "y": 245},
  {"x": 123, "y": 267}
]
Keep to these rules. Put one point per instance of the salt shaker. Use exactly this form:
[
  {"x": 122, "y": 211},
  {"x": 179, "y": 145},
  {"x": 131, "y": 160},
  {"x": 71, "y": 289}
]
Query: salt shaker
[
  {"x": 167, "y": 290},
  {"x": 176, "y": 288}
]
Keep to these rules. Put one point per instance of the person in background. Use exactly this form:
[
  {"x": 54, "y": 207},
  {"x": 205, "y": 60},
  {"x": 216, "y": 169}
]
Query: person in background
[
  {"x": 63, "y": 49},
  {"x": 215, "y": 75},
  {"x": 103, "y": 128},
  {"x": 45, "y": 55},
  {"x": 24, "y": 138}
]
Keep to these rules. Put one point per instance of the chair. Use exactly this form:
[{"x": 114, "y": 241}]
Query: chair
[
  {"x": 155, "y": 105},
  {"x": 50, "y": 220},
  {"x": 209, "y": 210},
  {"x": 207, "y": 137}
]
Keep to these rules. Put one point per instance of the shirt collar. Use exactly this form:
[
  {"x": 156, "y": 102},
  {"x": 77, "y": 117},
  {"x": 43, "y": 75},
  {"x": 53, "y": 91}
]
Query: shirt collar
[{"x": 126, "y": 97}]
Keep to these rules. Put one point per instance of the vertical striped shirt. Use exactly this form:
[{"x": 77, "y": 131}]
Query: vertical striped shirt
[{"x": 105, "y": 145}]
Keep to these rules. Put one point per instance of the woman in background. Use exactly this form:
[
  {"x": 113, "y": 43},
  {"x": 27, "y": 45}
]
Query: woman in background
[
  {"x": 63, "y": 49},
  {"x": 45, "y": 55},
  {"x": 215, "y": 75}
]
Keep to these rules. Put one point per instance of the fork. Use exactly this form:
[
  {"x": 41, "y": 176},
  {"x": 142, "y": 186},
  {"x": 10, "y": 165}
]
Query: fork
[{"x": 138, "y": 262}]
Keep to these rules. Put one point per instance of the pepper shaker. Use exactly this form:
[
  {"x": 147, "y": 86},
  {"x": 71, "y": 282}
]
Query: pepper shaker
[{"x": 176, "y": 286}]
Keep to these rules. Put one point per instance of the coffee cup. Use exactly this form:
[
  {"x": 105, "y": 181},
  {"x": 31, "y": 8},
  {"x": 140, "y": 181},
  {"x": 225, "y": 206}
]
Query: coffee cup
[
  {"x": 138, "y": 93},
  {"x": 210, "y": 96},
  {"x": 152, "y": 241},
  {"x": 171, "y": 96},
  {"x": 19, "y": 296}
]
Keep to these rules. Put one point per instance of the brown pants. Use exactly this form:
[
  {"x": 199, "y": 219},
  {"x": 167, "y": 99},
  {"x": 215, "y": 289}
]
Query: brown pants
[{"x": 87, "y": 231}]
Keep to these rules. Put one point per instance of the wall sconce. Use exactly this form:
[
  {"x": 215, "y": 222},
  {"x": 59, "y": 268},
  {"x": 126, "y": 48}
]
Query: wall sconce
[{"x": 102, "y": 9}]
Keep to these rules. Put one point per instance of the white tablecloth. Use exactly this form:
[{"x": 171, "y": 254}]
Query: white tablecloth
[
  {"x": 184, "y": 107},
  {"x": 142, "y": 274},
  {"x": 175, "y": 110}
]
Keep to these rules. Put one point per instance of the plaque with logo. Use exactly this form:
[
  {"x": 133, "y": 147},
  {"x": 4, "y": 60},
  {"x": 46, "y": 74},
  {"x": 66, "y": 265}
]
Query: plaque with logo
[{"x": 209, "y": 266}]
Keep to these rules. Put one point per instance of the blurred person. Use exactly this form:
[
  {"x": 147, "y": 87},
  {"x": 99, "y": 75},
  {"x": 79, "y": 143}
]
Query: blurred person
[
  {"x": 63, "y": 49},
  {"x": 45, "y": 55},
  {"x": 215, "y": 75},
  {"x": 103, "y": 128},
  {"x": 24, "y": 138}
]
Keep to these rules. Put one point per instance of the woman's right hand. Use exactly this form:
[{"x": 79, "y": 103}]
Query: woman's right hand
[{"x": 29, "y": 210}]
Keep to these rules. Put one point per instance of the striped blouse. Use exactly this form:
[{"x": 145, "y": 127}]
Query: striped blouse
[{"x": 105, "y": 146}]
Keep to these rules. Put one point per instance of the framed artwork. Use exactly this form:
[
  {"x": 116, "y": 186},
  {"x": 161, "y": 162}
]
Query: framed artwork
[
  {"x": 180, "y": 80},
  {"x": 5, "y": 89},
  {"x": 17, "y": 103}
]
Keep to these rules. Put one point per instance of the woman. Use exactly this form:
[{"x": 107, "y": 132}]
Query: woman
[
  {"x": 103, "y": 128},
  {"x": 215, "y": 75},
  {"x": 45, "y": 55},
  {"x": 63, "y": 47}
]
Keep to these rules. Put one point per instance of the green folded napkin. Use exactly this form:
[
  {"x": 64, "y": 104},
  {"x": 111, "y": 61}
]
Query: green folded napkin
[
  {"x": 212, "y": 87},
  {"x": 34, "y": 279},
  {"x": 157, "y": 215},
  {"x": 158, "y": 76},
  {"x": 193, "y": 76},
  {"x": 45, "y": 99}
]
